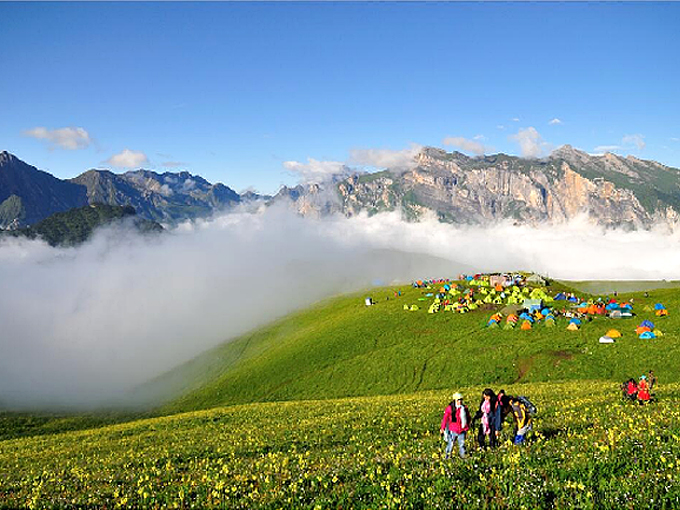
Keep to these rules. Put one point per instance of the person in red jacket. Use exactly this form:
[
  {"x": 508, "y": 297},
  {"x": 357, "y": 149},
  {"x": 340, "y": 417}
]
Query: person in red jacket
[
  {"x": 631, "y": 389},
  {"x": 643, "y": 390},
  {"x": 455, "y": 424}
]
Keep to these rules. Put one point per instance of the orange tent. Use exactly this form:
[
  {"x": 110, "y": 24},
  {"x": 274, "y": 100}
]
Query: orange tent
[
  {"x": 641, "y": 329},
  {"x": 662, "y": 313},
  {"x": 526, "y": 325}
]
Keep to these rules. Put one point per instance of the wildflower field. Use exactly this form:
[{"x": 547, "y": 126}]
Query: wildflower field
[{"x": 589, "y": 449}]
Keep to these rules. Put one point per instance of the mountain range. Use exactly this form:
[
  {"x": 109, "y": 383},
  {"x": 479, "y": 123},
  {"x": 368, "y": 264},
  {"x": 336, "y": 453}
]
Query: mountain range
[{"x": 612, "y": 190}]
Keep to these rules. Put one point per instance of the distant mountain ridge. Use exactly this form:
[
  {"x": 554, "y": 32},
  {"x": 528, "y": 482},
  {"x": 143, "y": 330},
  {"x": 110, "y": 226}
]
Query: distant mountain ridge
[
  {"x": 75, "y": 226},
  {"x": 612, "y": 190},
  {"x": 28, "y": 195}
]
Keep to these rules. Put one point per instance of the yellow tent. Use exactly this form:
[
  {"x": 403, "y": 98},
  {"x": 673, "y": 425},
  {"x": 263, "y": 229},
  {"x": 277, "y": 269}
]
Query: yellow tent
[{"x": 613, "y": 333}]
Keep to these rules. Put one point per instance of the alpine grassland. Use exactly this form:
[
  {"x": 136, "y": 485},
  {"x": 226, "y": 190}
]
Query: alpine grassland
[{"x": 339, "y": 406}]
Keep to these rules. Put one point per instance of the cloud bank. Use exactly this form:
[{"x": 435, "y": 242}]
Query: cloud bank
[
  {"x": 69, "y": 138},
  {"x": 82, "y": 326}
]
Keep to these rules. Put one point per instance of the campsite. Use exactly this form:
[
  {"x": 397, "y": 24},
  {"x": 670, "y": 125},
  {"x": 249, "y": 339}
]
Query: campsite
[{"x": 339, "y": 405}]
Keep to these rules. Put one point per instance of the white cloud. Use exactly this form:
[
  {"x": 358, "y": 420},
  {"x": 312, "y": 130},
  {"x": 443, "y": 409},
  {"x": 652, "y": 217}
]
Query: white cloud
[
  {"x": 80, "y": 325},
  {"x": 386, "y": 158},
  {"x": 69, "y": 138},
  {"x": 173, "y": 164},
  {"x": 531, "y": 143},
  {"x": 128, "y": 159},
  {"x": 515, "y": 119},
  {"x": 636, "y": 140},
  {"x": 555, "y": 122},
  {"x": 628, "y": 143},
  {"x": 601, "y": 149},
  {"x": 315, "y": 171},
  {"x": 500, "y": 126},
  {"x": 467, "y": 145},
  {"x": 675, "y": 139}
]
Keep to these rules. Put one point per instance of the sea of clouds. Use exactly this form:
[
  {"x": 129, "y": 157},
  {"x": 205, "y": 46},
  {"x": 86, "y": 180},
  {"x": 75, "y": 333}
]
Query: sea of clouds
[{"x": 83, "y": 326}]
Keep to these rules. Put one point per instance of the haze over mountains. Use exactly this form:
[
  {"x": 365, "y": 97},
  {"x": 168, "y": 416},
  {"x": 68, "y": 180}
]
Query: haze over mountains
[{"x": 613, "y": 191}]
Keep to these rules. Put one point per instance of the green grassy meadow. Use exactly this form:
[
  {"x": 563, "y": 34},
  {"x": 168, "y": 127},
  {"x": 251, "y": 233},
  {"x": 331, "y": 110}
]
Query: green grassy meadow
[
  {"x": 341, "y": 348},
  {"x": 339, "y": 406}
]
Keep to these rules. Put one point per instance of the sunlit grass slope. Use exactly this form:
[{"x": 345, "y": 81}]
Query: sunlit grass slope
[
  {"x": 589, "y": 450},
  {"x": 343, "y": 348}
]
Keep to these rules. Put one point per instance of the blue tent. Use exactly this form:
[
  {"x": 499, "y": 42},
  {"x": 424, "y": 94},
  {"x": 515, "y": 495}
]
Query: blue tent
[
  {"x": 647, "y": 323},
  {"x": 575, "y": 321},
  {"x": 659, "y": 306},
  {"x": 526, "y": 317},
  {"x": 573, "y": 299},
  {"x": 469, "y": 278},
  {"x": 560, "y": 297},
  {"x": 447, "y": 287},
  {"x": 627, "y": 306},
  {"x": 612, "y": 306},
  {"x": 545, "y": 311},
  {"x": 647, "y": 335},
  {"x": 550, "y": 316}
]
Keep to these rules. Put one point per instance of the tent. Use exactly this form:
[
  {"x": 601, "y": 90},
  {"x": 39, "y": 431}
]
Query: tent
[
  {"x": 545, "y": 311},
  {"x": 572, "y": 326},
  {"x": 560, "y": 297},
  {"x": 647, "y": 323},
  {"x": 606, "y": 340},
  {"x": 647, "y": 335},
  {"x": 657, "y": 332},
  {"x": 659, "y": 306},
  {"x": 492, "y": 324},
  {"x": 509, "y": 325},
  {"x": 575, "y": 321},
  {"x": 613, "y": 333},
  {"x": 550, "y": 323},
  {"x": 642, "y": 329},
  {"x": 535, "y": 279},
  {"x": 532, "y": 304},
  {"x": 526, "y": 325},
  {"x": 497, "y": 280},
  {"x": 662, "y": 313},
  {"x": 616, "y": 314}
]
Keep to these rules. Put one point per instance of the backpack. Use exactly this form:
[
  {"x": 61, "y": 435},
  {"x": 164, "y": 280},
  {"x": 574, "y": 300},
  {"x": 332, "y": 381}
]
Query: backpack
[{"x": 528, "y": 405}]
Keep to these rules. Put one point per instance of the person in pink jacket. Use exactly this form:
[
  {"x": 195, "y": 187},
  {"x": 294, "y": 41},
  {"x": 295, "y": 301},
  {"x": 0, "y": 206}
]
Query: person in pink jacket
[{"x": 455, "y": 424}]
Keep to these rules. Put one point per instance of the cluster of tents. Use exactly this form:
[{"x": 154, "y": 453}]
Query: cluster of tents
[
  {"x": 528, "y": 318},
  {"x": 659, "y": 309},
  {"x": 646, "y": 330}
]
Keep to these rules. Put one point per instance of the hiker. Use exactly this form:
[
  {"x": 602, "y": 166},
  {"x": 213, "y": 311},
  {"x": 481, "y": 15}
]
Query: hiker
[
  {"x": 486, "y": 412},
  {"x": 522, "y": 420},
  {"x": 501, "y": 401},
  {"x": 651, "y": 380},
  {"x": 643, "y": 395},
  {"x": 455, "y": 423},
  {"x": 631, "y": 389}
]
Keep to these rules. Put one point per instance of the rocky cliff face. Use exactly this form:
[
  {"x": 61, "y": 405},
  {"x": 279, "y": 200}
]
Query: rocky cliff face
[{"x": 611, "y": 190}]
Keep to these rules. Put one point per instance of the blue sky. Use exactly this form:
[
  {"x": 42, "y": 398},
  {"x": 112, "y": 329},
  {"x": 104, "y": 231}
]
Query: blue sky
[{"x": 246, "y": 93}]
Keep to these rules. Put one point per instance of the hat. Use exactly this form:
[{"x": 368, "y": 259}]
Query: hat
[{"x": 457, "y": 396}]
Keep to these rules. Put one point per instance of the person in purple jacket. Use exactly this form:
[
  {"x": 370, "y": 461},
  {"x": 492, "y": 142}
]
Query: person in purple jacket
[{"x": 455, "y": 424}]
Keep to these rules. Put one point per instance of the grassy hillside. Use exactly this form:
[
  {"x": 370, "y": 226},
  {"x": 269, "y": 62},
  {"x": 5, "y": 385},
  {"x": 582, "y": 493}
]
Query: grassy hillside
[
  {"x": 342, "y": 348},
  {"x": 589, "y": 450}
]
